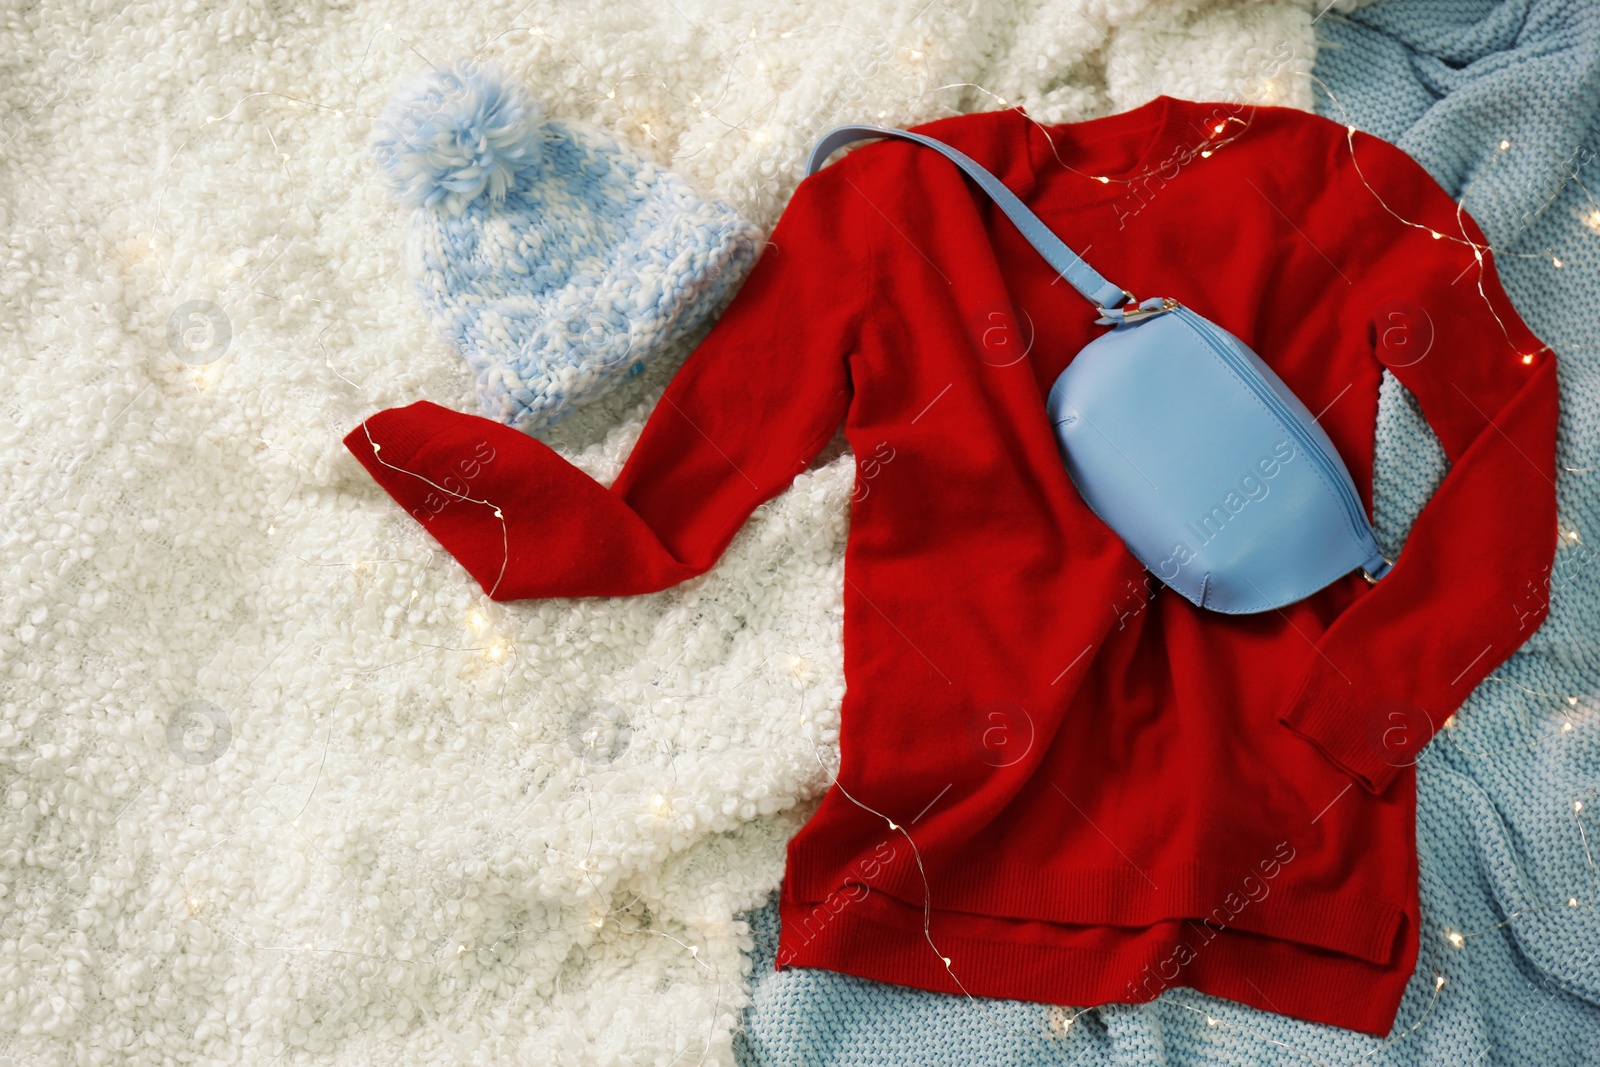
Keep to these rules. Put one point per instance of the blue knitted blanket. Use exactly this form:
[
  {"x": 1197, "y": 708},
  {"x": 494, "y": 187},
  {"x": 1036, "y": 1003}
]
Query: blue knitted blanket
[{"x": 1501, "y": 104}]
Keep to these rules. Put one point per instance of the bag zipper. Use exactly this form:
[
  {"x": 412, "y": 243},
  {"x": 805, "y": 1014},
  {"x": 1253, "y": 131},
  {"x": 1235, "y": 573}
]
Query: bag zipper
[{"x": 1247, "y": 374}]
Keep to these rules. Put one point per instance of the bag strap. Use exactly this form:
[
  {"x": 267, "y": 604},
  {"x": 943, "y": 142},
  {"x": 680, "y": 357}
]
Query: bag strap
[{"x": 1084, "y": 278}]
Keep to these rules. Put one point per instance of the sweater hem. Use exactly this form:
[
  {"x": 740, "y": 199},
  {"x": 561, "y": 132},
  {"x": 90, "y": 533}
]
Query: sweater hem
[
  {"x": 872, "y": 935},
  {"x": 1207, "y": 898}
]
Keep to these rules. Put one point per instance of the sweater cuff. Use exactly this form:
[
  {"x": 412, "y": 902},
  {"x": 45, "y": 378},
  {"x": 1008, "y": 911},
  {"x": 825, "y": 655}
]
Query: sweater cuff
[
  {"x": 399, "y": 434},
  {"x": 1368, "y": 736}
]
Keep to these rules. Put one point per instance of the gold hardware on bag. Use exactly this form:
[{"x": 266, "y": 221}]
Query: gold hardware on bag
[{"x": 1138, "y": 313}]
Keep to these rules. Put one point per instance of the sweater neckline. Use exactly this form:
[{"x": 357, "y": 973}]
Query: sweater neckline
[{"x": 1068, "y": 148}]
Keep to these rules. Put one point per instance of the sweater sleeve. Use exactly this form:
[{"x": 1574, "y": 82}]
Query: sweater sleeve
[
  {"x": 755, "y": 402},
  {"x": 1400, "y": 659}
]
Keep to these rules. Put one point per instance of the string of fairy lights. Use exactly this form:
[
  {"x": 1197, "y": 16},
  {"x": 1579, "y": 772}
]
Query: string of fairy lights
[{"x": 501, "y": 650}]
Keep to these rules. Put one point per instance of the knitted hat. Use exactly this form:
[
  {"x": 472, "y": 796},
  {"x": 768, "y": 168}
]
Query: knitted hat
[{"x": 554, "y": 257}]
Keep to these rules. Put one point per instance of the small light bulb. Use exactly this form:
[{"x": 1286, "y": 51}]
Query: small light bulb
[
  {"x": 1566, "y": 727},
  {"x": 1349, "y": 129},
  {"x": 1436, "y": 234},
  {"x": 1504, "y": 145},
  {"x": 1572, "y": 902},
  {"x": 1438, "y": 981},
  {"x": 893, "y": 825},
  {"x": 1103, "y": 180},
  {"x": 946, "y": 960},
  {"x": 1528, "y": 358},
  {"x": 1555, "y": 262},
  {"x": 1577, "y": 805},
  {"x": 1206, "y": 154},
  {"x": 1217, "y": 128},
  {"x": 1210, "y": 1021},
  {"x": 1454, "y": 938}
]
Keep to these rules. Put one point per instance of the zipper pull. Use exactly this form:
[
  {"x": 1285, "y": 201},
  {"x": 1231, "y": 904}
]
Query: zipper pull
[{"x": 1136, "y": 311}]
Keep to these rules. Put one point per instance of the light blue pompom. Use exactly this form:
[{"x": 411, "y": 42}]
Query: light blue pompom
[{"x": 452, "y": 135}]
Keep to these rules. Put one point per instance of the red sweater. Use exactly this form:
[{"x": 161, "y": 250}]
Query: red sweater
[{"x": 1090, "y": 790}]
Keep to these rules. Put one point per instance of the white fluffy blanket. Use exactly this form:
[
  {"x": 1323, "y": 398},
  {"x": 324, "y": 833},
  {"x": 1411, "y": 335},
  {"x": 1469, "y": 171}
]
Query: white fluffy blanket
[{"x": 278, "y": 784}]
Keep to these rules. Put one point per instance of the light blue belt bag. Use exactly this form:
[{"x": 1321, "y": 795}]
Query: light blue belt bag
[{"x": 1186, "y": 444}]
